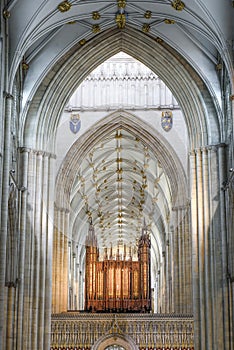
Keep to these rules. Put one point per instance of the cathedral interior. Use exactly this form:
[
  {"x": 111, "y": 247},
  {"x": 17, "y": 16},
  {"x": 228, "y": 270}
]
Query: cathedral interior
[{"x": 117, "y": 175}]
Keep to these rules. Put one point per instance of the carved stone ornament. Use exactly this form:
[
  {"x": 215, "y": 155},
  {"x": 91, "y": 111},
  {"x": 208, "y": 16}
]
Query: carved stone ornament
[
  {"x": 82, "y": 42},
  {"x": 6, "y": 14},
  {"x": 120, "y": 19},
  {"x": 96, "y": 15},
  {"x": 169, "y": 21},
  {"x": 145, "y": 28},
  {"x": 25, "y": 65},
  {"x": 159, "y": 40},
  {"x": 148, "y": 14},
  {"x": 96, "y": 28},
  {"x": 219, "y": 66},
  {"x": 121, "y": 4},
  {"x": 64, "y": 6},
  {"x": 178, "y": 5}
]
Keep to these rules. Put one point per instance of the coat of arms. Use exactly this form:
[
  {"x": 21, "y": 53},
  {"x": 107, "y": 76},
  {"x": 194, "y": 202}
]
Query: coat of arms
[
  {"x": 166, "y": 120},
  {"x": 75, "y": 123}
]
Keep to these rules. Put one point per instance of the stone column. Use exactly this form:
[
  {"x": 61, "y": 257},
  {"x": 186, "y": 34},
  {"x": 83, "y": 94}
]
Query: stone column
[
  {"x": 48, "y": 214},
  {"x": 55, "y": 267},
  {"x": 60, "y": 261},
  {"x": 7, "y": 103},
  {"x": 163, "y": 283},
  {"x": 222, "y": 163},
  {"x": 167, "y": 278},
  {"x": 209, "y": 249},
  {"x": 23, "y": 164},
  {"x": 188, "y": 305},
  {"x": 181, "y": 261},
  {"x": 35, "y": 261},
  {"x": 175, "y": 262},
  {"x": 229, "y": 204},
  {"x": 159, "y": 299},
  {"x": 195, "y": 273}
]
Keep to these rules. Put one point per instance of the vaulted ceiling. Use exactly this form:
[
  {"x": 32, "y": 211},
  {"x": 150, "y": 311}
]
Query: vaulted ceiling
[{"x": 42, "y": 32}]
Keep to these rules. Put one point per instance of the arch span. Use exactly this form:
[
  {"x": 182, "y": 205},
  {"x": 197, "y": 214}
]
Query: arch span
[
  {"x": 68, "y": 197},
  {"x": 53, "y": 92},
  {"x": 115, "y": 339}
]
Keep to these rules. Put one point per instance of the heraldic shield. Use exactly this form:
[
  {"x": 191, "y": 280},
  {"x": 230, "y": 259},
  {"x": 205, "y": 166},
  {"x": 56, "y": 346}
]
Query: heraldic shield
[
  {"x": 166, "y": 120},
  {"x": 75, "y": 123}
]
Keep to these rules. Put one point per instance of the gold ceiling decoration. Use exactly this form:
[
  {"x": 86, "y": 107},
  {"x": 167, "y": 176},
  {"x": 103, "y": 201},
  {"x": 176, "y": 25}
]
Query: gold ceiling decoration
[
  {"x": 118, "y": 135},
  {"x": 159, "y": 40},
  {"x": 6, "y": 14},
  {"x": 121, "y": 3},
  {"x": 121, "y": 16},
  {"x": 169, "y": 21},
  {"x": 25, "y": 65},
  {"x": 64, "y": 6},
  {"x": 96, "y": 15},
  {"x": 145, "y": 28},
  {"x": 96, "y": 28},
  {"x": 82, "y": 42},
  {"x": 219, "y": 66},
  {"x": 178, "y": 5},
  {"x": 148, "y": 14},
  {"x": 120, "y": 20}
]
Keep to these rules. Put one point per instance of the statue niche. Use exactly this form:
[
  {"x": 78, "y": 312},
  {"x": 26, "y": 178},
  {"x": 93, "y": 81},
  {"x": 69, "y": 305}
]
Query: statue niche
[{"x": 117, "y": 283}]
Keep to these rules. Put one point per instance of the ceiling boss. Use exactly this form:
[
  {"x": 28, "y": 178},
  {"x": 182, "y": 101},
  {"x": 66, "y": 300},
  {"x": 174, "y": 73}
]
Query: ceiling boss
[
  {"x": 121, "y": 15},
  {"x": 178, "y": 5}
]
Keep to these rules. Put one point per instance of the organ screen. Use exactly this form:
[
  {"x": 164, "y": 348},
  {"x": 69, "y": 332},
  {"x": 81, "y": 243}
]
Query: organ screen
[{"x": 116, "y": 283}]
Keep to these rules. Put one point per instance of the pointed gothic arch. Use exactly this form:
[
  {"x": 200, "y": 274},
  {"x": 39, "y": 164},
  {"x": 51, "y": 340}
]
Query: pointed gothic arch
[
  {"x": 119, "y": 339},
  {"x": 43, "y": 111},
  {"x": 121, "y": 119},
  {"x": 75, "y": 222}
]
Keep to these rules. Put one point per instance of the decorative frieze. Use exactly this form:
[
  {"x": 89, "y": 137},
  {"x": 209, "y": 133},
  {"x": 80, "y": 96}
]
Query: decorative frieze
[{"x": 82, "y": 331}]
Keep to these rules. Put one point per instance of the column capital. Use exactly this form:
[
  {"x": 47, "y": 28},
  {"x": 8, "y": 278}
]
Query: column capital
[
  {"x": 36, "y": 152},
  {"x": 7, "y": 95},
  {"x": 206, "y": 148}
]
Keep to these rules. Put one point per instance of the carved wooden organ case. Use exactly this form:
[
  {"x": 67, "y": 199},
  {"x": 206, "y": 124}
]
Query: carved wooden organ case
[{"x": 116, "y": 283}]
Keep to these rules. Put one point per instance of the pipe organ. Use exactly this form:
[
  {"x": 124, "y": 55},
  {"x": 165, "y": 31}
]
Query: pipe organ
[{"x": 117, "y": 283}]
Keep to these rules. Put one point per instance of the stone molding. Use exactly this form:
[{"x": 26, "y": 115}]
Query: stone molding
[{"x": 36, "y": 152}]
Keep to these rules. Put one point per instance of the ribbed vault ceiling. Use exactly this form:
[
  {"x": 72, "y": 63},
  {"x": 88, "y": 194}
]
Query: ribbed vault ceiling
[
  {"x": 42, "y": 31},
  {"x": 120, "y": 183},
  {"x": 119, "y": 176}
]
